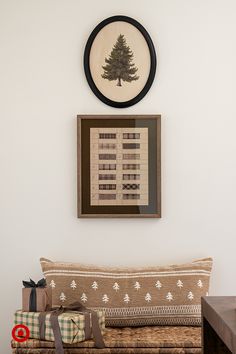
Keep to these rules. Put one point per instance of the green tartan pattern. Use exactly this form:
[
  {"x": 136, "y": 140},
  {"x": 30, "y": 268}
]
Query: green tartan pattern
[{"x": 71, "y": 325}]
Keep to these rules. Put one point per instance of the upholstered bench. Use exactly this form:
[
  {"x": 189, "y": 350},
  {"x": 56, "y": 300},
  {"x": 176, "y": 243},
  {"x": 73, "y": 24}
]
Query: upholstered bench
[{"x": 127, "y": 340}]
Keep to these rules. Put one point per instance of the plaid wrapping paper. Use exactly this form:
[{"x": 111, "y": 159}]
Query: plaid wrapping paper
[{"x": 71, "y": 325}]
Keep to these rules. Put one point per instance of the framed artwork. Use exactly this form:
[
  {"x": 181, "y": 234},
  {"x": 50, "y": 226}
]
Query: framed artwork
[
  {"x": 120, "y": 61},
  {"x": 119, "y": 166}
]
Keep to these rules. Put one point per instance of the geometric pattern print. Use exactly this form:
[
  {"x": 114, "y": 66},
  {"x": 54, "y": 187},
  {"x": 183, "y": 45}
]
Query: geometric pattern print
[
  {"x": 131, "y": 196},
  {"x": 131, "y": 135},
  {"x": 166, "y": 310},
  {"x": 107, "y": 146},
  {"x": 107, "y": 177},
  {"x": 153, "y": 321},
  {"x": 129, "y": 176},
  {"x": 189, "y": 295},
  {"x": 107, "y": 186},
  {"x": 71, "y": 325},
  {"x": 131, "y": 156},
  {"x": 126, "y": 299},
  {"x": 122, "y": 159},
  {"x": 191, "y": 310},
  {"x": 158, "y": 285},
  {"x": 131, "y": 186}
]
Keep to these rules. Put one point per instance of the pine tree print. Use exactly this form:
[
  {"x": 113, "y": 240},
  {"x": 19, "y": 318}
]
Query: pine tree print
[
  {"x": 73, "y": 285},
  {"x": 95, "y": 285},
  {"x": 126, "y": 298},
  {"x": 180, "y": 284},
  {"x": 52, "y": 284},
  {"x": 137, "y": 285},
  {"x": 169, "y": 296},
  {"x": 200, "y": 283},
  {"x": 119, "y": 64},
  {"x": 105, "y": 298},
  {"x": 190, "y": 296},
  {"x": 63, "y": 297},
  {"x": 158, "y": 285},
  {"x": 148, "y": 297},
  {"x": 84, "y": 297},
  {"x": 116, "y": 286}
]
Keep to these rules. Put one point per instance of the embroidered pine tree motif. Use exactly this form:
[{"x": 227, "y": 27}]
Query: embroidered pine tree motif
[
  {"x": 126, "y": 298},
  {"x": 137, "y": 285},
  {"x": 200, "y": 283},
  {"x": 158, "y": 285},
  {"x": 148, "y": 297},
  {"x": 52, "y": 284},
  {"x": 95, "y": 285},
  {"x": 190, "y": 296},
  {"x": 180, "y": 284},
  {"x": 119, "y": 66},
  {"x": 116, "y": 286},
  {"x": 63, "y": 297},
  {"x": 105, "y": 298},
  {"x": 84, "y": 297},
  {"x": 73, "y": 285},
  {"x": 169, "y": 296}
]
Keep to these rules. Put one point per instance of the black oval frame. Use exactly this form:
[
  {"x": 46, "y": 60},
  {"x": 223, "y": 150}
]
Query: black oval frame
[{"x": 153, "y": 61}]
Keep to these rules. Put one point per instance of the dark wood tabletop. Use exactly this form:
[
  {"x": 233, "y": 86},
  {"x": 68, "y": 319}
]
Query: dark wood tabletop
[{"x": 219, "y": 316}]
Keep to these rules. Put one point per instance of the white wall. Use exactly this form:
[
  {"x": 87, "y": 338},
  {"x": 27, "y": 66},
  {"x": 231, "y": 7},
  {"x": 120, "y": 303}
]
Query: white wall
[{"x": 43, "y": 88}]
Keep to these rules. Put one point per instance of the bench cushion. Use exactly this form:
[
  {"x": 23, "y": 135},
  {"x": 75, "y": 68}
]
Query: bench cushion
[{"x": 129, "y": 340}]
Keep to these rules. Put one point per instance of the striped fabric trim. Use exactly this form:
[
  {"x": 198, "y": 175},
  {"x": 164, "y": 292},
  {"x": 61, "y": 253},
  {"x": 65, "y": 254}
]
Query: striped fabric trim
[
  {"x": 154, "y": 321},
  {"x": 198, "y": 262},
  {"x": 125, "y": 275},
  {"x": 177, "y": 310}
]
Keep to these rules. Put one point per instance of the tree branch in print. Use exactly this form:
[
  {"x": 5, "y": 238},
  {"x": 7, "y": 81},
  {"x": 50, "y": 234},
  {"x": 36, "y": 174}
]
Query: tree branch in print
[{"x": 119, "y": 65}]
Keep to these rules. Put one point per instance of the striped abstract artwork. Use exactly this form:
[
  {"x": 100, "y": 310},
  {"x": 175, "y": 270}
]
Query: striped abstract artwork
[{"x": 118, "y": 155}]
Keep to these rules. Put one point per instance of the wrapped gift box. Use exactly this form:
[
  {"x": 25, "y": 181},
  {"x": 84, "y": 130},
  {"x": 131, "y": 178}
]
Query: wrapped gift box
[
  {"x": 72, "y": 325},
  {"x": 36, "y": 296},
  {"x": 43, "y": 299}
]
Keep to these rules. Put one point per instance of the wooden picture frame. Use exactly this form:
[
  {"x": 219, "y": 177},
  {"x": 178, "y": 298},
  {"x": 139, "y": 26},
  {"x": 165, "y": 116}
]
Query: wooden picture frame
[
  {"x": 119, "y": 166},
  {"x": 120, "y": 61}
]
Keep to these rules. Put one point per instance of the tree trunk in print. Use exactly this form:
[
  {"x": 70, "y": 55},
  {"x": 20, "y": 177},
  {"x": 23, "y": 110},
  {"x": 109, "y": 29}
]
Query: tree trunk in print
[{"x": 119, "y": 82}]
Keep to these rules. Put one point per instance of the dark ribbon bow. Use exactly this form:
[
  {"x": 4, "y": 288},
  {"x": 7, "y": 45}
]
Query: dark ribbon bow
[
  {"x": 33, "y": 295},
  {"x": 91, "y": 325}
]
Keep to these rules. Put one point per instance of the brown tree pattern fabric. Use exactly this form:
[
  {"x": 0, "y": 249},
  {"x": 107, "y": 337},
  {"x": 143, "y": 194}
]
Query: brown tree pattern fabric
[
  {"x": 162, "y": 295},
  {"x": 150, "y": 339}
]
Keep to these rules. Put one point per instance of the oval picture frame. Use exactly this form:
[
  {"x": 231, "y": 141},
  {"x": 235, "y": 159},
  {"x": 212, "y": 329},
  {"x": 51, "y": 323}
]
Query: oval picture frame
[{"x": 120, "y": 61}]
